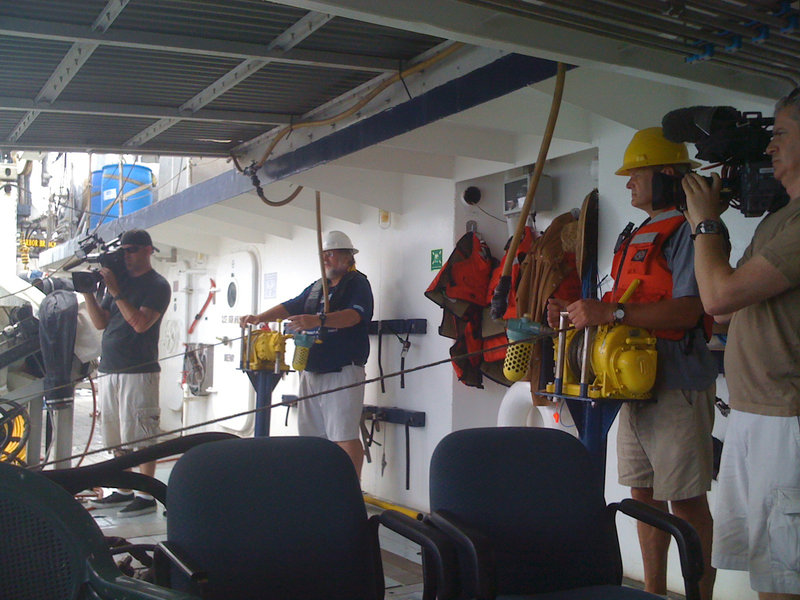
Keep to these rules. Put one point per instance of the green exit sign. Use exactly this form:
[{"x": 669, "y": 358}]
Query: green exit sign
[{"x": 436, "y": 259}]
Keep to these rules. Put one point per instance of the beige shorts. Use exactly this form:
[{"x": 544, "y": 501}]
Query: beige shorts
[
  {"x": 337, "y": 415},
  {"x": 666, "y": 445},
  {"x": 757, "y": 509},
  {"x": 129, "y": 409}
]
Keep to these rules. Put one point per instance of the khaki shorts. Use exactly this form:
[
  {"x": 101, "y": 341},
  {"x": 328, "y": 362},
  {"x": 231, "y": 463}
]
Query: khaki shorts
[
  {"x": 129, "y": 408},
  {"x": 666, "y": 445},
  {"x": 757, "y": 511},
  {"x": 337, "y": 415}
]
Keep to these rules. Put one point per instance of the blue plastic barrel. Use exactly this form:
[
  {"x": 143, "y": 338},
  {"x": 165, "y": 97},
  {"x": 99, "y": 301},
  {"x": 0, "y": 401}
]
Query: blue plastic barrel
[
  {"x": 137, "y": 189},
  {"x": 95, "y": 204}
]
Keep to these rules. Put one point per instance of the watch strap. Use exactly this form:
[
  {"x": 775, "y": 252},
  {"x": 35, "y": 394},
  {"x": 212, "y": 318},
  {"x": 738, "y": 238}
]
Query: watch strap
[{"x": 710, "y": 226}]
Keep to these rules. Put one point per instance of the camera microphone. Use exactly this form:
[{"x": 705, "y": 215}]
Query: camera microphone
[{"x": 679, "y": 125}]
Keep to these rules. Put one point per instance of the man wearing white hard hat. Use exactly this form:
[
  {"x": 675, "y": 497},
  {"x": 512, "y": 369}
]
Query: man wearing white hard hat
[{"x": 339, "y": 360}]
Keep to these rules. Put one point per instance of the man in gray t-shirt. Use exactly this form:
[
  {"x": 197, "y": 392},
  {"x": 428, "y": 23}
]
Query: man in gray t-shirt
[
  {"x": 664, "y": 447},
  {"x": 130, "y": 316}
]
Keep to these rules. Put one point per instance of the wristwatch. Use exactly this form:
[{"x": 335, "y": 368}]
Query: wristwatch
[
  {"x": 322, "y": 316},
  {"x": 710, "y": 226},
  {"x": 619, "y": 313}
]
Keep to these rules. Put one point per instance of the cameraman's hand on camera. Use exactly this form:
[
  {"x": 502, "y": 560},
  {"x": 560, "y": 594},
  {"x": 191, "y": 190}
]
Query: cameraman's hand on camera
[
  {"x": 112, "y": 285},
  {"x": 702, "y": 199}
]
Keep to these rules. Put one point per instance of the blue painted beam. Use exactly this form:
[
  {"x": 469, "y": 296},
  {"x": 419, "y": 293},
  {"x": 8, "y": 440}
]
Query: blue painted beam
[{"x": 498, "y": 78}]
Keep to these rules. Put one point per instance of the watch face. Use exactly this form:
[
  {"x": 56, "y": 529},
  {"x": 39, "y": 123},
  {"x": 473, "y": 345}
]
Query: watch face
[{"x": 619, "y": 314}]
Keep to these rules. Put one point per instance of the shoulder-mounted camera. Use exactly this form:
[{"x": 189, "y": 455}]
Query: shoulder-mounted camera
[
  {"x": 736, "y": 140},
  {"x": 96, "y": 253}
]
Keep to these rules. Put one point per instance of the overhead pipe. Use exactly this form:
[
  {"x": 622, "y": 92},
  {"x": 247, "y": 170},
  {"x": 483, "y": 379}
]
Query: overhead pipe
[
  {"x": 570, "y": 20},
  {"x": 641, "y": 17},
  {"x": 788, "y": 48},
  {"x": 742, "y": 11}
]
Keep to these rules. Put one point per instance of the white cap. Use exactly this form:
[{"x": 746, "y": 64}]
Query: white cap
[{"x": 336, "y": 240}]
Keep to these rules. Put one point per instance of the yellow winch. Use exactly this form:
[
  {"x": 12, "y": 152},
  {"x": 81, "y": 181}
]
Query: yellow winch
[
  {"x": 265, "y": 350},
  {"x": 604, "y": 362},
  {"x": 621, "y": 363}
]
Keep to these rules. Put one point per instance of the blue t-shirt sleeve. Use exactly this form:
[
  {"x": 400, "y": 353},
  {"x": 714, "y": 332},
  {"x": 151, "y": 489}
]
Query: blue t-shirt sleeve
[
  {"x": 679, "y": 252},
  {"x": 361, "y": 298}
]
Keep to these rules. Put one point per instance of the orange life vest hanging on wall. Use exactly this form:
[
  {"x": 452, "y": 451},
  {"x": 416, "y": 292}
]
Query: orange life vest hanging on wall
[{"x": 460, "y": 289}]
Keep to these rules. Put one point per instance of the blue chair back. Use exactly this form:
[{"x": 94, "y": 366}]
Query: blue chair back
[
  {"x": 536, "y": 495},
  {"x": 274, "y": 518}
]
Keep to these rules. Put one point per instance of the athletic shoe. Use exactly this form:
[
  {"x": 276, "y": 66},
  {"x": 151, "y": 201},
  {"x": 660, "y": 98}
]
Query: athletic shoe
[
  {"x": 139, "y": 506},
  {"x": 114, "y": 499}
]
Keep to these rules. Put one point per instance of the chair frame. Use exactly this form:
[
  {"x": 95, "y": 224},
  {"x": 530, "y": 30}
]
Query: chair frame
[{"x": 100, "y": 578}]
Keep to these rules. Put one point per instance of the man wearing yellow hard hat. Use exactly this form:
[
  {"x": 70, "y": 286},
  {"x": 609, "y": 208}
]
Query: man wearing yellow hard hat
[{"x": 664, "y": 448}]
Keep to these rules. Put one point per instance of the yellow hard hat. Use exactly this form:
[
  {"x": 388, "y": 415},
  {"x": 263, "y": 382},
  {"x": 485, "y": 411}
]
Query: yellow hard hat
[{"x": 650, "y": 148}]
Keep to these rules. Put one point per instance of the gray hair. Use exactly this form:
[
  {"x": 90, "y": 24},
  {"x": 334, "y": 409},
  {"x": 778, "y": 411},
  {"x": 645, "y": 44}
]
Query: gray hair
[{"x": 790, "y": 100}]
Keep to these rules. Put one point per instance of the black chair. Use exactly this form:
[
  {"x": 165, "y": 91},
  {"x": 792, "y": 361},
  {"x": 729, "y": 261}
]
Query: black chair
[
  {"x": 525, "y": 508},
  {"x": 265, "y": 518},
  {"x": 113, "y": 473},
  {"x": 52, "y": 549}
]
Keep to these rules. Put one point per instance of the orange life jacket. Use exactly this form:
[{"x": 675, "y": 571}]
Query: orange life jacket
[
  {"x": 460, "y": 288},
  {"x": 640, "y": 256},
  {"x": 463, "y": 279}
]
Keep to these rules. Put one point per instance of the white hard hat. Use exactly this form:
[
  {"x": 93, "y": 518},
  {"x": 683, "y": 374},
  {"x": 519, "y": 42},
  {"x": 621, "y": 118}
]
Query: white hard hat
[{"x": 336, "y": 240}]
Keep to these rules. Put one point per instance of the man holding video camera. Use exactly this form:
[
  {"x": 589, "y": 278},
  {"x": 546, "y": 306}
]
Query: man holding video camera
[
  {"x": 130, "y": 317},
  {"x": 757, "y": 518}
]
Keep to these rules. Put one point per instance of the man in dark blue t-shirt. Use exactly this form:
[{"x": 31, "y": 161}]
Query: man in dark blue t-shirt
[
  {"x": 339, "y": 360},
  {"x": 130, "y": 316}
]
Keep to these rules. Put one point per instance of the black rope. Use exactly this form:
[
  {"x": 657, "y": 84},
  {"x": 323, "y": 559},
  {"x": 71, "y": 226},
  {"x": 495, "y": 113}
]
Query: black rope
[{"x": 243, "y": 413}]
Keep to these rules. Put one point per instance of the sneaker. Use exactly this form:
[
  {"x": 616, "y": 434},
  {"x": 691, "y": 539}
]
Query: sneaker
[
  {"x": 114, "y": 499},
  {"x": 139, "y": 506}
]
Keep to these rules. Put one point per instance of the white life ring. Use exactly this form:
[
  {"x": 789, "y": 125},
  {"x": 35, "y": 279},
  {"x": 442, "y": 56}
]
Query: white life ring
[{"x": 517, "y": 410}]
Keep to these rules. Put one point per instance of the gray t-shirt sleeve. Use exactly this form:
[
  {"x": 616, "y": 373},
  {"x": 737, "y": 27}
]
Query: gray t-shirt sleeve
[{"x": 679, "y": 252}]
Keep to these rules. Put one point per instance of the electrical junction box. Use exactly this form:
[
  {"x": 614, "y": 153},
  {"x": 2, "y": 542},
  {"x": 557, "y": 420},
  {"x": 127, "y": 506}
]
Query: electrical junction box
[{"x": 515, "y": 191}]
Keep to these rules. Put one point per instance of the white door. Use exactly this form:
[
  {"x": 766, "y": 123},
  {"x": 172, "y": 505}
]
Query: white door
[{"x": 237, "y": 278}]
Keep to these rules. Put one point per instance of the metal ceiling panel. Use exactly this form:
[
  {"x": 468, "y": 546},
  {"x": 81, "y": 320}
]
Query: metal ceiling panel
[
  {"x": 125, "y": 75},
  {"x": 211, "y": 139},
  {"x": 163, "y": 56},
  {"x": 252, "y": 21},
  {"x": 73, "y": 12},
  {"x": 27, "y": 64},
  {"x": 293, "y": 90},
  {"x": 357, "y": 37},
  {"x": 81, "y": 132}
]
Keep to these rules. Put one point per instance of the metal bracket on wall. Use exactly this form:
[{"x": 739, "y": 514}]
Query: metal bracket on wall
[
  {"x": 398, "y": 416},
  {"x": 398, "y": 326}
]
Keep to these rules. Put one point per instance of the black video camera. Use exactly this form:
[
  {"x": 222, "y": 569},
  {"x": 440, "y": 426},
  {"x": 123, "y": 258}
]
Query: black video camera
[
  {"x": 94, "y": 250},
  {"x": 738, "y": 141}
]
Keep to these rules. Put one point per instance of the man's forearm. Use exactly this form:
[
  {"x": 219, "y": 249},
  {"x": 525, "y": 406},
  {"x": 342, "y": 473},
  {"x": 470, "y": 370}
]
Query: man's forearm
[
  {"x": 135, "y": 317},
  {"x": 98, "y": 316},
  {"x": 712, "y": 270},
  {"x": 341, "y": 319}
]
